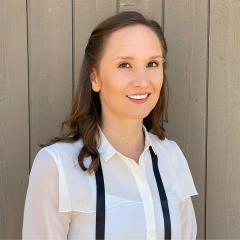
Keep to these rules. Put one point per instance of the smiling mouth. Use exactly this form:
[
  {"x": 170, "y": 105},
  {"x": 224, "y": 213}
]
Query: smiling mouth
[{"x": 138, "y": 96}]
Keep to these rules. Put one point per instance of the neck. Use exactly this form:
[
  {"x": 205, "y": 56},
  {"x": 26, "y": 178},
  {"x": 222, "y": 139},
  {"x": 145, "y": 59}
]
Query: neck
[{"x": 126, "y": 137}]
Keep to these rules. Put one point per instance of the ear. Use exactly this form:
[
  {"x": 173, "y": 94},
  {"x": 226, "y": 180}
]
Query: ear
[{"x": 96, "y": 84}]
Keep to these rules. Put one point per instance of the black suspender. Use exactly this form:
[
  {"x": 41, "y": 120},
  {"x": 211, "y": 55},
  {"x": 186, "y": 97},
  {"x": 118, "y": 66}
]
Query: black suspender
[
  {"x": 100, "y": 208},
  {"x": 162, "y": 195},
  {"x": 100, "y": 201}
]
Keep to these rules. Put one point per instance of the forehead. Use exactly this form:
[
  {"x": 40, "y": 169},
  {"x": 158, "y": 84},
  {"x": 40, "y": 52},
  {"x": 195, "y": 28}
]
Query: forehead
[{"x": 132, "y": 40}]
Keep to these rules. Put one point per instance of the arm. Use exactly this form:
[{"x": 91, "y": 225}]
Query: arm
[
  {"x": 188, "y": 223},
  {"x": 41, "y": 217}
]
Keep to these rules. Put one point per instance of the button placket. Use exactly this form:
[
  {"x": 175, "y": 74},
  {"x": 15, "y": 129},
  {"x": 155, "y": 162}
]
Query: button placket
[{"x": 139, "y": 174}]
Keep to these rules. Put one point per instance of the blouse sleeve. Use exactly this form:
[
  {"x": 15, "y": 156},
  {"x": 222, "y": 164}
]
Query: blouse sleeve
[
  {"x": 184, "y": 184},
  {"x": 188, "y": 224},
  {"x": 185, "y": 188},
  {"x": 41, "y": 219}
]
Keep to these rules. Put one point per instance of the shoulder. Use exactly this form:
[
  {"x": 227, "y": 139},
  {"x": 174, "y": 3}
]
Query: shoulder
[
  {"x": 58, "y": 163},
  {"x": 171, "y": 152},
  {"x": 59, "y": 154},
  {"x": 168, "y": 145},
  {"x": 62, "y": 149}
]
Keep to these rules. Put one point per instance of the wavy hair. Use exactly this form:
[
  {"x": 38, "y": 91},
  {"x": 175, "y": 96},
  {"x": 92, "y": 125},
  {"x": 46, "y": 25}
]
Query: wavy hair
[{"x": 85, "y": 113}]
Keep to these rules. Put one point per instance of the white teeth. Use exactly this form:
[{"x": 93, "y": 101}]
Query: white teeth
[{"x": 138, "y": 96}]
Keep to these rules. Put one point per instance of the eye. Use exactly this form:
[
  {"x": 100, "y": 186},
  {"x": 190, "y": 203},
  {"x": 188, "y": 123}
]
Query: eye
[
  {"x": 127, "y": 65},
  {"x": 124, "y": 65},
  {"x": 153, "y": 62}
]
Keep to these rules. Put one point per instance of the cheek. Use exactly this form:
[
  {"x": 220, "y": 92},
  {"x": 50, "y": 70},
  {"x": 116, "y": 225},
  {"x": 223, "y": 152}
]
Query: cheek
[
  {"x": 114, "y": 81},
  {"x": 157, "y": 79}
]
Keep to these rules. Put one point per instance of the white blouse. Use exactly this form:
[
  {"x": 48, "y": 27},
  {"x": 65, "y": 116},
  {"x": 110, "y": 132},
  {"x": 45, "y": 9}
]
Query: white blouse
[{"x": 61, "y": 197}]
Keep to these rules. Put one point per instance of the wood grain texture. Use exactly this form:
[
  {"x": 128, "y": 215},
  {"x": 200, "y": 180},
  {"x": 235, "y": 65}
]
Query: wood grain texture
[
  {"x": 185, "y": 27},
  {"x": 150, "y": 8},
  {"x": 50, "y": 67},
  {"x": 14, "y": 150},
  {"x": 223, "y": 195}
]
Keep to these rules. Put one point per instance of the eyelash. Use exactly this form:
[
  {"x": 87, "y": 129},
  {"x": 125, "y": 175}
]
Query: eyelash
[{"x": 120, "y": 66}]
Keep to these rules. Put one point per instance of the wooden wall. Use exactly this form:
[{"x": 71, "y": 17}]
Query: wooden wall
[
  {"x": 14, "y": 116},
  {"x": 223, "y": 142},
  {"x": 41, "y": 48}
]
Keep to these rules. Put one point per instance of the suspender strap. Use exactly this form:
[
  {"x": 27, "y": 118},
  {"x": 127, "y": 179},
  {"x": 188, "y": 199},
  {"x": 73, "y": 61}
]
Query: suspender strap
[
  {"x": 100, "y": 204},
  {"x": 162, "y": 194}
]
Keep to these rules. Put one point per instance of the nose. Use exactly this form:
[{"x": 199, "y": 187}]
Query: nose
[{"x": 140, "y": 78}]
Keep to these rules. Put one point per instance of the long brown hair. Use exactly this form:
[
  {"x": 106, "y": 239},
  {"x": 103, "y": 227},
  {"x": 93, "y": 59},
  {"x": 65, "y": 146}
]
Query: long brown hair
[{"x": 85, "y": 114}]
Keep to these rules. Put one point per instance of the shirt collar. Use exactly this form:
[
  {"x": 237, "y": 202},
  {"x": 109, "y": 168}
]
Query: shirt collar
[{"x": 106, "y": 150}]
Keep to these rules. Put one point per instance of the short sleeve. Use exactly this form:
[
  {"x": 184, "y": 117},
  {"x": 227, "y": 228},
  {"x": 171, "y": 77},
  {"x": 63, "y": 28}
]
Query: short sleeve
[
  {"x": 188, "y": 220},
  {"x": 184, "y": 185},
  {"x": 41, "y": 219}
]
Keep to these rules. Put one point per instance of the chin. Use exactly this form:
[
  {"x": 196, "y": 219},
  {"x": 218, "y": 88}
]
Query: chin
[{"x": 139, "y": 115}]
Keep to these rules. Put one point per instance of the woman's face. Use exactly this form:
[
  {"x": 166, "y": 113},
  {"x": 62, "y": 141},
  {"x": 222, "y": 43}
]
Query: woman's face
[{"x": 130, "y": 74}]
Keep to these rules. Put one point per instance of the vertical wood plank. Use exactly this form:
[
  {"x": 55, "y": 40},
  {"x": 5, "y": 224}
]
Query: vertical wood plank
[
  {"x": 185, "y": 26},
  {"x": 152, "y": 9},
  {"x": 50, "y": 67},
  {"x": 14, "y": 141},
  {"x": 87, "y": 14},
  {"x": 223, "y": 195}
]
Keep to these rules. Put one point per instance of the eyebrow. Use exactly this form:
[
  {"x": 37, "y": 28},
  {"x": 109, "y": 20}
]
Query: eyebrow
[{"x": 128, "y": 57}]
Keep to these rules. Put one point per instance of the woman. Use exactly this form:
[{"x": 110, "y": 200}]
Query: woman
[{"x": 108, "y": 176}]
